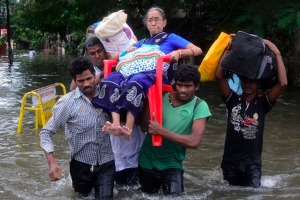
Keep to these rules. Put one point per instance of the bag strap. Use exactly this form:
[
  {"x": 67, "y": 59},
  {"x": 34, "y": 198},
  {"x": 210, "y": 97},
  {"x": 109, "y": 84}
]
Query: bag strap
[{"x": 198, "y": 101}]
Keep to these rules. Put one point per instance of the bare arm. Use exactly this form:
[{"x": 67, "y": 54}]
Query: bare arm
[
  {"x": 277, "y": 89},
  {"x": 190, "y": 50},
  {"x": 220, "y": 76},
  {"x": 190, "y": 141}
]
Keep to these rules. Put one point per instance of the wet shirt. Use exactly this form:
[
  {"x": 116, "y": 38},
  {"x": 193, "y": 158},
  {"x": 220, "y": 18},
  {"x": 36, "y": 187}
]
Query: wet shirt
[
  {"x": 177, "y": 119},
  {"x": 83, "y": 123},
  {"x": 245, "y": 127}
]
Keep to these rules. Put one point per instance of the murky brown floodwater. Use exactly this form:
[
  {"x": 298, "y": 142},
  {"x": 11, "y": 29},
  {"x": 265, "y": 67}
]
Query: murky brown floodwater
[{"x": 24, "y": 170}]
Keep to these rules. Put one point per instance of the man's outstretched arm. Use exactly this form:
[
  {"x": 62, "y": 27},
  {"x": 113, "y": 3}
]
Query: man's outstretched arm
[
  {"x": 220, "y": 76},
  {"x": 277, "y": 89},
  {"x": 190, "y": 141}
]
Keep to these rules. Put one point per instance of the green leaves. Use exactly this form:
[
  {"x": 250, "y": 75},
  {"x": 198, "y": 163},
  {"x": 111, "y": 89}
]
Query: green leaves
[
  {"x": 243, "y": 18},
  {"x": 298, "y": 19},
  {"x": 251, "y": 23},
  {"x": 286, "y": 20}
]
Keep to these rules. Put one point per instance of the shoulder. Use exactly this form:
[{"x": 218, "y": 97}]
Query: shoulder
[
  {"x": 173, "y": 36},
  {"x": 201, "y": 105},
  {"x": 202, "y": 110},
  {"x": 67, "y": 99},
  {"x": 69, "y": 96},
  {"x": 232, "y": 96},
  {"x": 178, "y": 40}
]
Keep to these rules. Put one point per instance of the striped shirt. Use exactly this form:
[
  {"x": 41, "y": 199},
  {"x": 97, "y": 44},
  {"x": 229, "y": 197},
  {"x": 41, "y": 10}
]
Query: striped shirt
[{"x": 83, "y": 129}]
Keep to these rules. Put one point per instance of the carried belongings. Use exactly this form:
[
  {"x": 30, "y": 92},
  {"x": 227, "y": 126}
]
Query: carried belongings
[
  {"x": 141, "y": 60},
  {"x": 114, "y": 33},
  {"x": 210, "y": 62},
  {"x": 250, "y": 57}
]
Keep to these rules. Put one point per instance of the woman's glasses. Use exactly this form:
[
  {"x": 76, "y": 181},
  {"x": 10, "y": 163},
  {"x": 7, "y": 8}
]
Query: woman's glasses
[{"x": 156, "y": 19}]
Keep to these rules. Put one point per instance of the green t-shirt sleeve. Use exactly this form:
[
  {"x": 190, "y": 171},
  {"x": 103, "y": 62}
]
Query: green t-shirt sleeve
[{"x": 202, "y": 111}]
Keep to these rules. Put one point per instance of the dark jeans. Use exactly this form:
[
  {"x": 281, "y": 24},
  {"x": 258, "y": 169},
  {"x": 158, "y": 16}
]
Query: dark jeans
[
  {"x": 101, "y": 178},
  {"x": 242, "y": 174},
  {"x": 127, "y": 176},
  {"x": 171, "y": 180}
]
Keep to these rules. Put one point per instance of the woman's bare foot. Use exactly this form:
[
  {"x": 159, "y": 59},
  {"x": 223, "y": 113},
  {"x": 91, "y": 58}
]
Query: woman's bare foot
[
  {"x": 126, "y": 133},
  {"x": 112, "y": 129}
]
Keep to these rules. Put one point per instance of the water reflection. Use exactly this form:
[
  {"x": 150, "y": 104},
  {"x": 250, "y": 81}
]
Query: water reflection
[{"x": 24, "y": 171}]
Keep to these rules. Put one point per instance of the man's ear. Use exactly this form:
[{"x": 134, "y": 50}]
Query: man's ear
[{"x": 198, "y": 86}]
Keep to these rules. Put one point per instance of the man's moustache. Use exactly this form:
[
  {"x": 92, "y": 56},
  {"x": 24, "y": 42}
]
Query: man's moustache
[{"x": 88, "y": 87}]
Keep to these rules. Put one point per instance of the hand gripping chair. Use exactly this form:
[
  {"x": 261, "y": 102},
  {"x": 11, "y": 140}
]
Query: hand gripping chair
[{"x": 154, "y": 93}]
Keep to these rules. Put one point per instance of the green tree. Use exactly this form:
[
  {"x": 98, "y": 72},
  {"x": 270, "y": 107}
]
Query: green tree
[{"x": 202, "y": 22}]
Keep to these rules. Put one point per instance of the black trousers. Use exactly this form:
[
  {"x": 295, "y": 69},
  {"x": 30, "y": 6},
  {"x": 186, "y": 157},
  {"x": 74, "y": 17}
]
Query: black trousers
[
  {"x": 100, "y": 177},
  {"x": 242, "y": 174},
  {"x": 171, "y": 180},
  {"x": 127, "y": 176}
]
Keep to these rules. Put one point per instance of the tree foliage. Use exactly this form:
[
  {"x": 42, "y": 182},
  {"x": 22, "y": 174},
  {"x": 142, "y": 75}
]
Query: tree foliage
[{"x": 202, "y": 22}]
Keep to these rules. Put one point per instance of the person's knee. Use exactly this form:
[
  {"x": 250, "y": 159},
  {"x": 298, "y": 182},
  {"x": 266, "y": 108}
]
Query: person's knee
[
  {"x": 149, "y": 182},
  {"x": 173, "y": 181},
  {"x": 255, "y": 175},
  {"x": 173, "y": 188}
]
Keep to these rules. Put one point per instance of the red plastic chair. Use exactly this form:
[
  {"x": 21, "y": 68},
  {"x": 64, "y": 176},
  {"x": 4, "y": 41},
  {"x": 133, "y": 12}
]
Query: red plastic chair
[{"x": 154, "y": 93}]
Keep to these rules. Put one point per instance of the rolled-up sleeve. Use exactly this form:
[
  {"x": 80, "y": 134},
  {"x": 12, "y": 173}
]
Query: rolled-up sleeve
[{"x": 60, "y": 115}]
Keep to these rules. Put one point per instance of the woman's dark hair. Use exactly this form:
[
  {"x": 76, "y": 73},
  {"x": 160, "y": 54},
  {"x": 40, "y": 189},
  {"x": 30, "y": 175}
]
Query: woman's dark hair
[
  {"x": 161, "y": 12},
  {"x": 187, "y": 72},
  {"x": 79, "y": 65}
]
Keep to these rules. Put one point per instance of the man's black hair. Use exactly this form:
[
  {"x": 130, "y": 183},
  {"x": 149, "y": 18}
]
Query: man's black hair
[
  {"x": 79, "y": 65},
  {"x": 187, "y": 72},
  {"x": 92, "y": 41}
]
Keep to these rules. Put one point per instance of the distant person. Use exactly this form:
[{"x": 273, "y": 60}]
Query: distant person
[
  {"x": 184, "y": 122},
  {"x": 241, "y": 163},
  {"x": 31, "y": 51},
  {"x": 92, "y": 160}
]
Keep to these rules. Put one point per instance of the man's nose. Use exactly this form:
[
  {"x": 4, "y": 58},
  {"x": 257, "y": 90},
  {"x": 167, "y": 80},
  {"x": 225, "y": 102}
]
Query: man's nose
[
  {"x": 183, "y": 89},
  {"x": 86, "y": 83}
]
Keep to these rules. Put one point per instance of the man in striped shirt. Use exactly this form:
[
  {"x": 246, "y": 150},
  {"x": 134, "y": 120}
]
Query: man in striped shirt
[{"x": 92, "y": 160}]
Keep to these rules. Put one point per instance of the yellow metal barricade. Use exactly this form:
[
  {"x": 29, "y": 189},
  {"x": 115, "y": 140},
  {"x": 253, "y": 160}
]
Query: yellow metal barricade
[{"x": 43, "y": 101}]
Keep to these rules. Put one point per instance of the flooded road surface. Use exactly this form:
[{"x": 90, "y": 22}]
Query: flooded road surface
[{"x": 24, "y": 170}]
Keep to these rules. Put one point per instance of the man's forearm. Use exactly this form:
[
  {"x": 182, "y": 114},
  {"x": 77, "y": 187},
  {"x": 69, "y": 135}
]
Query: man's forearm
[{"x": 188, "y": 141}]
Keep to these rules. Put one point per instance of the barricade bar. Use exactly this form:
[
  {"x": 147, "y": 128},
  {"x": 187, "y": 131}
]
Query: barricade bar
[{"x": 41, "y": 106}]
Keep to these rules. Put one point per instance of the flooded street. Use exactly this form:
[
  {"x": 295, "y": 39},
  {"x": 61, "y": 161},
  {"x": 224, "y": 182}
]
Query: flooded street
[{"x": 24, "y": 169}]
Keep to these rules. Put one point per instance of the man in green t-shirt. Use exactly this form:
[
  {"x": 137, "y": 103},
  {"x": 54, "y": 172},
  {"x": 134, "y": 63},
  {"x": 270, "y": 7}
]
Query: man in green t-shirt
[{"x": 184, "y": 121}]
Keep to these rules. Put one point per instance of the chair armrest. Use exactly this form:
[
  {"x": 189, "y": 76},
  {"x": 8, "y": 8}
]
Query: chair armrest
[{"x": 108, "y": 64}]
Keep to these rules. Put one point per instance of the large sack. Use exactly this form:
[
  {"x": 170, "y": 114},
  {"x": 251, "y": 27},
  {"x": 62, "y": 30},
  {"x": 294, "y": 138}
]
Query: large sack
[
  {"x": 114, "y": 33},
  {"x": 111, "y": 25},
  {"x": 251, "y": 58},
  {"x": 120, "y": 41},
  {"x": 210, "y": 62}
]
